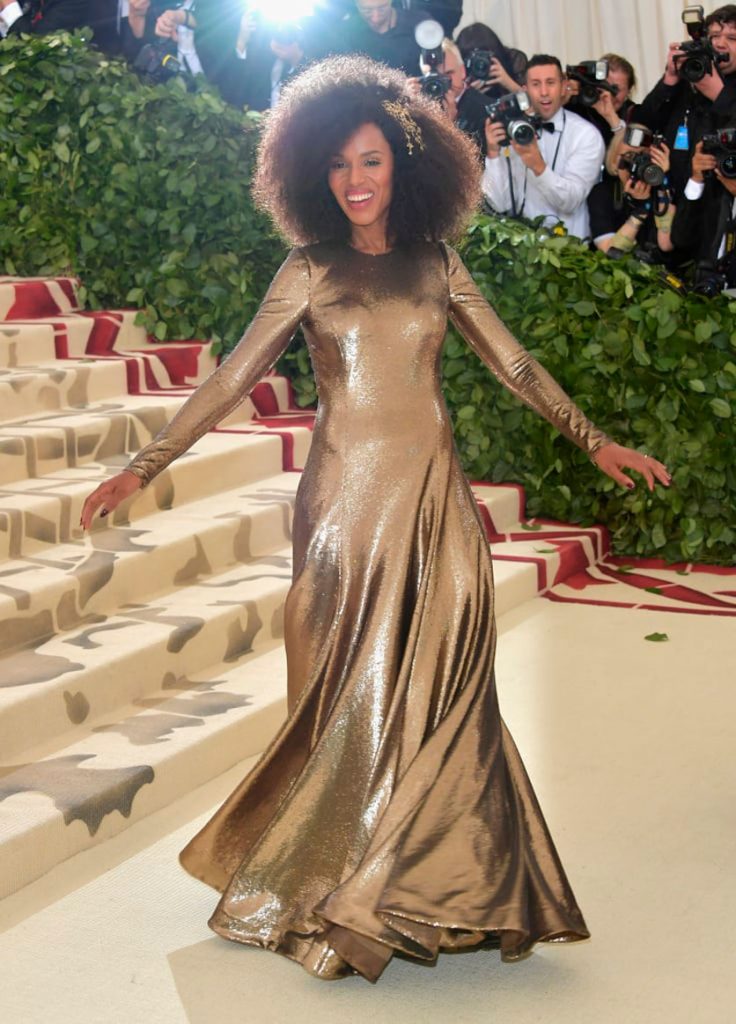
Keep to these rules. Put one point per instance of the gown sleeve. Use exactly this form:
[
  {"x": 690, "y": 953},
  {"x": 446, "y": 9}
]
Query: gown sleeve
[
  {"x": 514, "y": 367},
  {"x": 269, "y": 333}
]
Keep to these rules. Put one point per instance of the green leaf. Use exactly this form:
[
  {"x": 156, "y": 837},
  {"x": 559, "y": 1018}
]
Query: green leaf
[
  {"x": 720, "y": 407},
  {"x": 657, "y": 638}
]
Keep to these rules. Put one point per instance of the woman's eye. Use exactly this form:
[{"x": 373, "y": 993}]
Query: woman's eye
[
  {"x": 337, "y": 165},
  {"x": 373, "y": 162}
]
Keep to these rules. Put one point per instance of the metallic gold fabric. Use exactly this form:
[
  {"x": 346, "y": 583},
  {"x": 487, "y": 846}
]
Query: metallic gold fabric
[{"x": 392, "y": 811}]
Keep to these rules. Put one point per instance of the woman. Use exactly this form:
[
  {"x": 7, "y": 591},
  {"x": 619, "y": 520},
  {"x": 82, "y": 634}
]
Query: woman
[
  {"x": 626, "y": 212},
  {"x": 392, "y": 812},
  {"x": 508, "y": 66}
]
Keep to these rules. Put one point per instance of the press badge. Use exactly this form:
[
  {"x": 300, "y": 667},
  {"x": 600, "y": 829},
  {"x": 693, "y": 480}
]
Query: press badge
[{"x": 682, "y": 139}]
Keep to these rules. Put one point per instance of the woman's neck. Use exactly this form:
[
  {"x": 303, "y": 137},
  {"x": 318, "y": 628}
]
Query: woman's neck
[{"x": 373, "y": 239}]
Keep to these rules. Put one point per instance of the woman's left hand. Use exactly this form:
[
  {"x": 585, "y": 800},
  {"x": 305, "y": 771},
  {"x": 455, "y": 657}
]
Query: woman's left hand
[
  {"x": 661, "y": 156},
  {"x": 613, "y": 458}
]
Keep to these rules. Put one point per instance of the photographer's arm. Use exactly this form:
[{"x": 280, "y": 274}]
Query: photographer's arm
[
  {"x": 525, "y": 378},
  {"x": 496, "y": 186},
  {"x": 267, "y": 336}
]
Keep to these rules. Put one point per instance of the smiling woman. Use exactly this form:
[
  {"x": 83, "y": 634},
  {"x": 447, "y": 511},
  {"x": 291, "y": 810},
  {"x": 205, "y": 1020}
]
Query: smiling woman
[{"x": 392, "y": 813}]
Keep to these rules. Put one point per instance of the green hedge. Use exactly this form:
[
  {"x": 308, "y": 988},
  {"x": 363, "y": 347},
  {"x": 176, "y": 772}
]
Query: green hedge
[
  {"x": 144, "y": 192},
  {"x": 652, "y": 368}
]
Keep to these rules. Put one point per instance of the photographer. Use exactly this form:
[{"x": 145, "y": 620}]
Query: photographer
[
  {"x": 383, "y": 32},
  {"x": 40, "y": 18},
  {"x": 463, "y": 105},
  {"x": 632, "y": 207},
  {"x": 684, "y": 110},
  {"x": 706, "y": 220},
  {"x": 157, "y": 23},
  {"x": 266, "y": 53},
  {"x": 612, "y": 110},
  {"x": 553, "y": 175},
  {"x": 506, "y": 68}
]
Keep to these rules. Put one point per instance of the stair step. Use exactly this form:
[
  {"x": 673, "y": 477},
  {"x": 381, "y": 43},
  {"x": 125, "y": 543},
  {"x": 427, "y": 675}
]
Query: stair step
[
  {"x": 22, "y": 297},
  {"x": 62, "y": 384},
  {"x": 24, "y": 345},
  {"x": 123, "y": 562},
  {"x": 37, "y": 514},
  {"x": 74, "y": 680},
  {"x": 97, "y": 786}
]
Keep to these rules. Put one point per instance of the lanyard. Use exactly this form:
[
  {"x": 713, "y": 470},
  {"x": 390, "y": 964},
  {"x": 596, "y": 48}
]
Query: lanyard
[{"x": 520, "y": 212}]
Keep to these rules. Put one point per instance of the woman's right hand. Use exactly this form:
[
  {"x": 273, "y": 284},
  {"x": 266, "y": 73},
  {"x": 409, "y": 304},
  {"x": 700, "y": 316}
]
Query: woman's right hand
[
  {"x": 108, "y": 496},
  {"x": 498, "y": 75}
]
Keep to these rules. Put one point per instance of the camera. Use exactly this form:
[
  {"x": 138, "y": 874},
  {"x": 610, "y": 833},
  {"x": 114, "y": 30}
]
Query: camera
[
  {"x": 429, "y": 35},
  {"x": 512, "y": 111},
  {"x": 157, "y": 63},
  {"x": 698, "y": 56},
  {"x": 640, "y": 165},
  {"x": 722, "y": 145},
  {"x": 593, "y": 77},
  {"x": 478, "y": 64}
]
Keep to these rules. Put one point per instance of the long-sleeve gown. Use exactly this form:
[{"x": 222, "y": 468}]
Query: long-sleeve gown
[{"x": 392, "y": 812}]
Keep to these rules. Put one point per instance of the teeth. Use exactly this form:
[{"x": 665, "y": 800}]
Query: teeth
[{"x": 360, "y": 198}]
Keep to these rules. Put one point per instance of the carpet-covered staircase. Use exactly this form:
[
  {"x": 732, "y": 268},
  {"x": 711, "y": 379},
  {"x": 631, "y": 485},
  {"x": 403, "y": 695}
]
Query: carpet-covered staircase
[{"x": 145, "y": 658}]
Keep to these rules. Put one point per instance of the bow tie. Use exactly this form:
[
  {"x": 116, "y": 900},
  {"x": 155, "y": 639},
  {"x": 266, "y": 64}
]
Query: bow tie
[{"x": 548, "y": 126}]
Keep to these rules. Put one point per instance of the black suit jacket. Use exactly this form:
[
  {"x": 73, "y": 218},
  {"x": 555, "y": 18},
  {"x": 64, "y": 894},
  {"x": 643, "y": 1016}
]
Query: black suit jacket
[{"x": 52, "y": 16}]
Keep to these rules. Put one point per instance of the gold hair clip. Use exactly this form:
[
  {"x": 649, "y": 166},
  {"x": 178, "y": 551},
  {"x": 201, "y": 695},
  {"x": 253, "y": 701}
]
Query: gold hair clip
[{"x": 412, "y": 131}]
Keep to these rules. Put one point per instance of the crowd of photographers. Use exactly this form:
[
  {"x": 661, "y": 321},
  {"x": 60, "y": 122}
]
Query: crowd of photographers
[{"x": 567, "y": 146}]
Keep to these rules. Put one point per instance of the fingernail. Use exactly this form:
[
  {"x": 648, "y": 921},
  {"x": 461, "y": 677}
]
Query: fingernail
[
  {"x": 103, "y": 513},
  {"x": 630, "y": 485}
]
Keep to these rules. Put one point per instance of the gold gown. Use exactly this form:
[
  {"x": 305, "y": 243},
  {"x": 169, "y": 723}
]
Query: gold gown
[{"x": 392, "y": 812}]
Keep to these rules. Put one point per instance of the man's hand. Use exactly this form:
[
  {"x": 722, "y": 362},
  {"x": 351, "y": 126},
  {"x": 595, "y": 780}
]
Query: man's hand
[
  {"x": 289, "y": 53},
  {"x": 495, "y": 138},
  {"x": 671, "y": 76},
  {"x": 531, "y": 155},
  {"x": 167, "y": 24},
  {"x": 711, "y": 86},
  {"x": 702, "y": 162}
]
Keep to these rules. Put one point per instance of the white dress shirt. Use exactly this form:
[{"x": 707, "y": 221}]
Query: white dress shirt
[
  {"x": 573, "y": 154},
  {"x": 8, "y": 17}
]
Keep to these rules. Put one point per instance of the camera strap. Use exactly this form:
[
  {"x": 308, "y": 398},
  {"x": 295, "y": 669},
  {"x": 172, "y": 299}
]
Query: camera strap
[{"x": 526, "y": 169}]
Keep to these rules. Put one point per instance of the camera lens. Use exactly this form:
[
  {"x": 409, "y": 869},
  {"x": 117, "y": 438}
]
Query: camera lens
[
  {"x": 694, "y": 69},
  {"x": 653, "y": 175},
  {"x": 521, "y": 133},
  {"x": 727, "y": 165}
]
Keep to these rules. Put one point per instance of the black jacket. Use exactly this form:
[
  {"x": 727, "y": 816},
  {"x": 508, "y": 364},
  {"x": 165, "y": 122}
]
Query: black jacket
[
  {"x": 700, "y": 224},
  {"x": 52, "y": 16},
  {"x": 669, "y": 106},
  {"x": 397, "y": 47}
]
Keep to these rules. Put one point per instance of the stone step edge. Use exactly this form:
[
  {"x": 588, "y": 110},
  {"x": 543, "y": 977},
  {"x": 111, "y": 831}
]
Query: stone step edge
[
  {"x": 98, "y": 689},
  {"x": 209, "y": 470},
  {"x": 48, "y": 591},
  {"x": 33, "y": 833}
]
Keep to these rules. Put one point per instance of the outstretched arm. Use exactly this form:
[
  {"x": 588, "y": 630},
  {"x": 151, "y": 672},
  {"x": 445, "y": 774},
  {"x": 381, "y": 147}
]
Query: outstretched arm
[
  {"x": 269, "y": 333},
  {"x": 528, "y": 380}
]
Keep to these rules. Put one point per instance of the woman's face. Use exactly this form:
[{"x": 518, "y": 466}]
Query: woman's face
[{"x": 361, "y": 177}]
